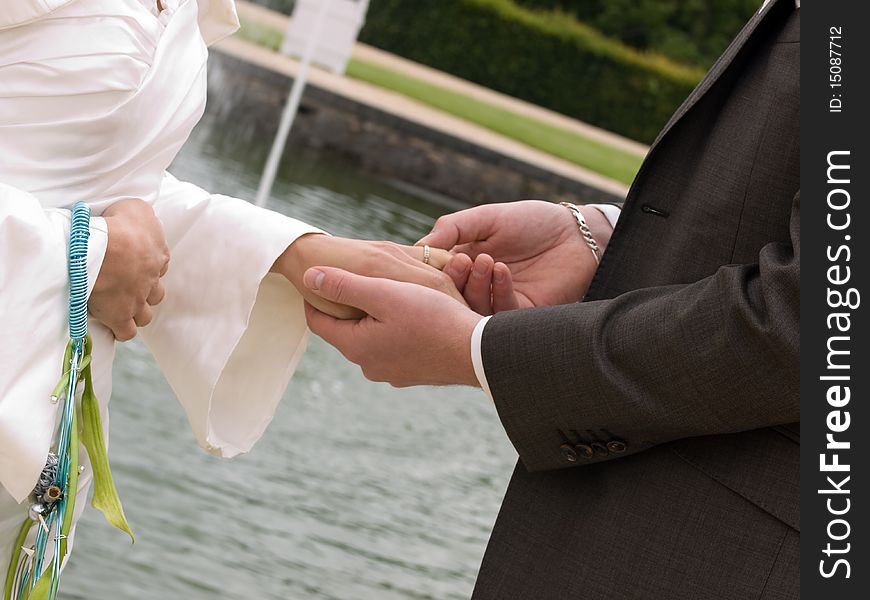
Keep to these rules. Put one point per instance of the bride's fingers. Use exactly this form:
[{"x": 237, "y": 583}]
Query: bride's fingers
[
  {"x": 503, "y": 297},
  {"x": 458, "y": 269},
  {"x": 478, "y": 290},
  {"x": 143, "y": 316},
  {"x": 402, "y": 265},
  {"x": 155, "y": 296},
  {"x": 339, "y": 311},
  {"x": 438, "y": 258}
]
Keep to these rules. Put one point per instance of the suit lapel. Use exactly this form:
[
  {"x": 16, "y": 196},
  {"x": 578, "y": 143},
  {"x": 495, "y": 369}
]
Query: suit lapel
[
  {"x": 717, "y": 69},
  {"x": 602, "y": 275}
]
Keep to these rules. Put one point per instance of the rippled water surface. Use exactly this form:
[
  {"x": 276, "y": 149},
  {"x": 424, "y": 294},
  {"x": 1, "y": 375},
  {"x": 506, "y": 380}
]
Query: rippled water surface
[{"x": 357, "y": 491}]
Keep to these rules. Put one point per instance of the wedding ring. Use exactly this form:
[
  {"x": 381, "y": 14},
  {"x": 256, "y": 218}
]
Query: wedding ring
[{"x": 427, "y": 254}]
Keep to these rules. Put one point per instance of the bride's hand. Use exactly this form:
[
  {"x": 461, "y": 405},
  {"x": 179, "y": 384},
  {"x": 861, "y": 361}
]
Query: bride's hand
[
  {"x": 374, "y": 259},
  {"x": 136, "y": 258}
]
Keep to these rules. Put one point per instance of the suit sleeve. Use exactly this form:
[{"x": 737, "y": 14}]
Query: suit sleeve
[{"x": 720, "y": 355}]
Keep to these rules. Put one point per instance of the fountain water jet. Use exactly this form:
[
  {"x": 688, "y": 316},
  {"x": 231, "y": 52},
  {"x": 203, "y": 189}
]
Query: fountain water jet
[{"x": 335, "y": 58}]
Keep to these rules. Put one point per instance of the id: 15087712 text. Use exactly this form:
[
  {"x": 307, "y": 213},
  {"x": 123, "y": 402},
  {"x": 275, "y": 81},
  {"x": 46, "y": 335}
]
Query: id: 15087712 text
[{"x": 835, "y": 69}]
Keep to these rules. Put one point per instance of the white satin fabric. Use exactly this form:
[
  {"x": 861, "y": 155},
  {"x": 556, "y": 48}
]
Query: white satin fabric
[{"x": 96, "y": 99}]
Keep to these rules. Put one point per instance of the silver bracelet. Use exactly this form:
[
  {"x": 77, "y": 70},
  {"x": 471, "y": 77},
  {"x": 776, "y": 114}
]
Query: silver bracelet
[{"x": 584, "y": 231}]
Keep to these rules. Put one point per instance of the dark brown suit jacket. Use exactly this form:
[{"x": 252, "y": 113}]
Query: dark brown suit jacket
[{"x": 657, "y": 422}]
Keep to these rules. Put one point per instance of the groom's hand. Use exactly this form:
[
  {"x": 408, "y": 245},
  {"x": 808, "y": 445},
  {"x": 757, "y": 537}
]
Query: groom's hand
[
  {"x": 519, "y": 254},
  {"x": 412, "y": 335}
]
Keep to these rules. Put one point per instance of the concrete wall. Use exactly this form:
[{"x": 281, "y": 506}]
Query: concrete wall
[{"x": 381, "y": 143}]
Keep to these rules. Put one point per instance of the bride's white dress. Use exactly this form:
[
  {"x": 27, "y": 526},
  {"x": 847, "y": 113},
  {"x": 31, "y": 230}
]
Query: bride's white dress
[{"x": 96, "y": 99}]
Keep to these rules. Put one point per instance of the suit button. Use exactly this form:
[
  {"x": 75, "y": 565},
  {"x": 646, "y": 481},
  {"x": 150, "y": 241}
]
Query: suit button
[
  {"x": 584, "y": 450},
  {"x": 568, "y": 452},
  {"x": 599, "y": 448},
  {"x": 616, "y": 446}
]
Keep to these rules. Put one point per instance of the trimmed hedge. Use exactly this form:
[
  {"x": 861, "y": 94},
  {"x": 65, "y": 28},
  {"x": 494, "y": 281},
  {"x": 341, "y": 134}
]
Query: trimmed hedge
[
  {"x": 688, "y": 31},
  {"x": 545, "y": 58},
  {"x": 284, "y": 6}
]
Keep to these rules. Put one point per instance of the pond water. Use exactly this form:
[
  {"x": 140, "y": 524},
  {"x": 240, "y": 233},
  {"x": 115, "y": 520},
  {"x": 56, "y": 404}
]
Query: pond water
[{"x": 357, "y": 491}]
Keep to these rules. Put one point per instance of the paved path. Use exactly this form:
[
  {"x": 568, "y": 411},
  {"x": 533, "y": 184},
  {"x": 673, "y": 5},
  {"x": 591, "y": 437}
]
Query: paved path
[{"x": 411, "y": 110}]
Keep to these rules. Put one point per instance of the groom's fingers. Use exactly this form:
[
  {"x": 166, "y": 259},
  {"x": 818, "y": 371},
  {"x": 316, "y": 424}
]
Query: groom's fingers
[
  {"x": 478, "y": 290},
  {"x": 335, "y": 332},
  {"x": 470, "y": 225},
  {"x": 333, "y": 309},
  {"x": 343, "y": 287},
  {"x": 503, "y": 297}
]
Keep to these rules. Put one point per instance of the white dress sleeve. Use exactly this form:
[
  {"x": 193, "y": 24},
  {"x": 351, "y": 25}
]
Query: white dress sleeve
[
  {"x": 228, "y": 335},
  {"x": 34, "y": 292},
  {"x": 217, "y": 19}
]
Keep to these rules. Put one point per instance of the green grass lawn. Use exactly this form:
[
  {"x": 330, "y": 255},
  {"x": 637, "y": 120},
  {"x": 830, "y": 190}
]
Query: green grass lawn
[
  {"x": 577, "y": 149},
  {"x": 260, "y": 34}
]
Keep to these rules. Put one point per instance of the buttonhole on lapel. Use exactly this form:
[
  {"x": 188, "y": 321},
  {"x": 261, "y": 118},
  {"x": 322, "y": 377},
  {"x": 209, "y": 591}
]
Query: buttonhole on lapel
[{"x": 655, "y": 211}]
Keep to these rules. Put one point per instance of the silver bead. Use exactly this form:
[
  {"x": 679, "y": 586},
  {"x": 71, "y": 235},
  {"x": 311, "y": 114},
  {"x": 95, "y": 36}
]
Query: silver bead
[{"x": 38, "y": 509}]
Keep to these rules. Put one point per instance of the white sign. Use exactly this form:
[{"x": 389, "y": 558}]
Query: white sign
[{"x": 338, "y": 34}]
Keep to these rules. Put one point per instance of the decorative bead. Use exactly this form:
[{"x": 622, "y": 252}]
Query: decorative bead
[
  {"x": 52, "y": 495},
  {"x": 37, "y": 509},
  {"x": 47, "y": 477}
]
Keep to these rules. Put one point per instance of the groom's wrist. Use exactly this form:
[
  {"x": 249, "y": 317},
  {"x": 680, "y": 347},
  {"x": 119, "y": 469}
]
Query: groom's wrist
[
  {"x": 598, "y": 224},
  {"x": 468, "y": 373},
  {"x": 458, "y": 367}
]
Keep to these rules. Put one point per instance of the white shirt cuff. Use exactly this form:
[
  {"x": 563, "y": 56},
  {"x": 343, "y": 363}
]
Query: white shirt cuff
[
  {"x": 97, "y": 243},
  {"x": 477, "y": 355},
  {"x": 609, "y": 211}
]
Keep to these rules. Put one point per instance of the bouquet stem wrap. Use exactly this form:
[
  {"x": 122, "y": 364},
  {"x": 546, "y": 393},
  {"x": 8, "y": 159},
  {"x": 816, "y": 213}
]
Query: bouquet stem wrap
[{"x": 52, "y": 508}]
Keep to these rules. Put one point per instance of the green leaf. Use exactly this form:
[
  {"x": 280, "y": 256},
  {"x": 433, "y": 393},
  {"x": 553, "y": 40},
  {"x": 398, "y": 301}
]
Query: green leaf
[
  {"x": 106, "y": 498},
  {"x": 43, "y": 587},
  {"x": 16, "y": 557}
]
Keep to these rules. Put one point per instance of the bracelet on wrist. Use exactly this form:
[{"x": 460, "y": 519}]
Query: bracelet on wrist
[{"x": 585, "y": 232}]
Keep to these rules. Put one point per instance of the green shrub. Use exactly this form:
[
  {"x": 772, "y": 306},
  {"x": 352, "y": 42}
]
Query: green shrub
[
  {"x": 284, "y": 6},
  {"x": 689, "y": 31},
  {"x": 545, "y": 58}
]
